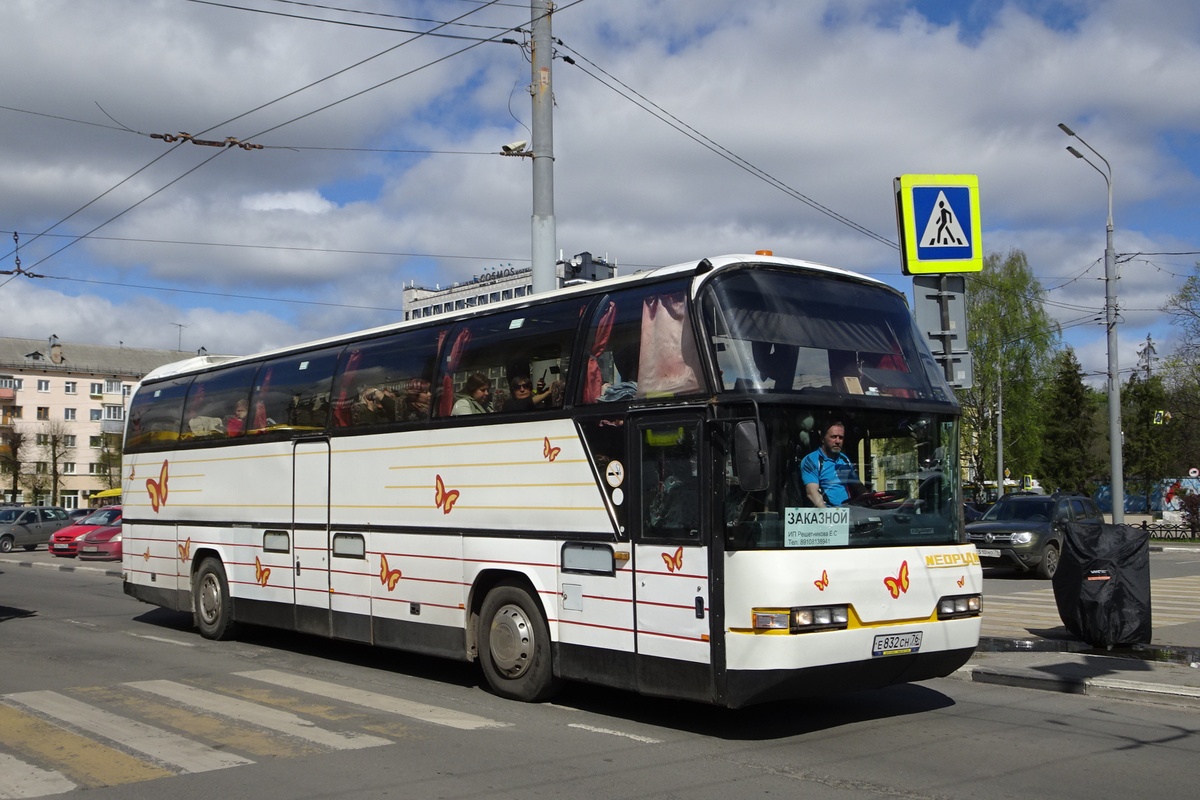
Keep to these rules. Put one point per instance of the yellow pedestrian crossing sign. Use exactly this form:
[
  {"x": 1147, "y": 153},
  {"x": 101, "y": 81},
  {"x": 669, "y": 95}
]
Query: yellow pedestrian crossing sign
[{"x": 938, "y": 218}]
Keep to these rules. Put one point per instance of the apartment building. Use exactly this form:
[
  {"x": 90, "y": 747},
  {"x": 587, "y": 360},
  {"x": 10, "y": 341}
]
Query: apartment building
[{"x": 62, "y": 415}]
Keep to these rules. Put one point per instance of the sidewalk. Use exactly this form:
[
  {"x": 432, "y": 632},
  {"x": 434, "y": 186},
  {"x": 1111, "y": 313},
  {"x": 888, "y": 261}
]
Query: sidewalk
[
  {"x": 1165, "y": 671},
  {"x": 1126, "y": 673}
]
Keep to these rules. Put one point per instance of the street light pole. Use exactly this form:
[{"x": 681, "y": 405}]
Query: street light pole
[{"x": 1110, "y": 320}]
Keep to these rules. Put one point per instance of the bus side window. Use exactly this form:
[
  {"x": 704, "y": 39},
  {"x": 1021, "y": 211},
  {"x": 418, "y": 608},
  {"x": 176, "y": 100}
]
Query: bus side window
[
  {"x": 293, "y": 393},
  {"x": 217, "y": 403},
  {"x": 156, "y": 414},
  {"x": 533, "y": 343},
  {"x": 386, "y": 380},
  {"x": 640, "y": 344}
]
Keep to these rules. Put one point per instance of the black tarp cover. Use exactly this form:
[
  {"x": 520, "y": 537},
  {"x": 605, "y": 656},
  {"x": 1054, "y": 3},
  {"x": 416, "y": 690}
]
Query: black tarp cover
[{"x": 1102, "y": 584}]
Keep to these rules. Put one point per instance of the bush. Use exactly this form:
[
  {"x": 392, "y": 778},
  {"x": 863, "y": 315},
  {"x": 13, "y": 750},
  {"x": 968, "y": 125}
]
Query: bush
[{"x": 1190, "y": 503}]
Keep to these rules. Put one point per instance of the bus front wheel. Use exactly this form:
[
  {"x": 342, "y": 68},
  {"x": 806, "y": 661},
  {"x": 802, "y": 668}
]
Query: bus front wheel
[
  {"x": 516, "y": 654},
  {"x": 211, "y": 601}
]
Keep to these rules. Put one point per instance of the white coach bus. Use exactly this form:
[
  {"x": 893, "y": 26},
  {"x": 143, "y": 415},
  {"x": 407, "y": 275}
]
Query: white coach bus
[{"x": 623, "y": 506}]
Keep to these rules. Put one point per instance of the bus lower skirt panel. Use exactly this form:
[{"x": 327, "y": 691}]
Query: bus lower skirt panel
[{"x": 747, "y": 687}]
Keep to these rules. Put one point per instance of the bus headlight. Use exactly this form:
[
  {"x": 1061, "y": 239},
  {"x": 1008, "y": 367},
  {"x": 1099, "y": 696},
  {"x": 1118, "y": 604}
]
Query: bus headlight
[
  {"x": 967, "y": 605},
  {"x": 801, "y": 620}
]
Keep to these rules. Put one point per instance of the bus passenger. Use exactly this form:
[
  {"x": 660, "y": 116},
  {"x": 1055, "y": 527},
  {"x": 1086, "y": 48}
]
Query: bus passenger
[
  {"x": 524, "y": 398},
  {"x": 827, "y": 473},
  {"x": 474, "y": 398},
  {"x": 235, "y": 424},
  {"x": 416, "y": 401}
]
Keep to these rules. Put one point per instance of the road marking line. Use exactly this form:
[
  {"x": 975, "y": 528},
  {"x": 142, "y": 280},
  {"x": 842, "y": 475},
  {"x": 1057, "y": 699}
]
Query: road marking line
[
  {"x": 160, "y": 745},
  {"x": 374, "y": 700},
  {"x": 634, "y": 736},
  {"x": 262, "y": 716},
  {"x": 161, "y": 639},
  {"x": 26, "y": 780}
]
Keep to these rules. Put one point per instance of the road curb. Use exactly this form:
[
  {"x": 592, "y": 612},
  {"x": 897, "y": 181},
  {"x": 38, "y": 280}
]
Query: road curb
[
  {"x": 1092, "y": 687},
  {"x": 63, "y": 567}
]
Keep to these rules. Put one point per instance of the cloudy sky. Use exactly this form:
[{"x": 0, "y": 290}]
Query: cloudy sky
[{"x": 380, "y": 162}]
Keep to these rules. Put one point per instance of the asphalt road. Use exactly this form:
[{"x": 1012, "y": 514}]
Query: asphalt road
[{"x": 101, "y": 693}]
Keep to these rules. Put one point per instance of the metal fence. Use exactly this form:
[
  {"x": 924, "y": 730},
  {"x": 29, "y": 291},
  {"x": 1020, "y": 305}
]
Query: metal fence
[{"x": 1169, "y": 530}]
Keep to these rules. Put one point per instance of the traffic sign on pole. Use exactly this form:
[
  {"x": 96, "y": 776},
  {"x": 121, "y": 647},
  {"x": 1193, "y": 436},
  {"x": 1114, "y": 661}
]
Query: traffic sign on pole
[{"x": 939, "y": 223}]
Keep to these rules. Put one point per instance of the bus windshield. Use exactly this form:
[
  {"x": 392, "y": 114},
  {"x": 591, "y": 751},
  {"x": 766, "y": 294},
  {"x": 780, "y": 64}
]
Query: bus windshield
[
  {"x": 807, "y": 333},
  {"x": 901, "y": 480}
]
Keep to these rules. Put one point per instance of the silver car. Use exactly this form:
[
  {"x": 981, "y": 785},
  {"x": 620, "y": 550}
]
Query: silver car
[{"x": 29, "y": 526}]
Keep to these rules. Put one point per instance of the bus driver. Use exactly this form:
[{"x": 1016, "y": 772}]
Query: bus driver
[{"x": 828, "y": 474}]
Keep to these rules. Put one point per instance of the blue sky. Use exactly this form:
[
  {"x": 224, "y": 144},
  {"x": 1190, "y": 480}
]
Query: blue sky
[{"x": 398, "y": 178}]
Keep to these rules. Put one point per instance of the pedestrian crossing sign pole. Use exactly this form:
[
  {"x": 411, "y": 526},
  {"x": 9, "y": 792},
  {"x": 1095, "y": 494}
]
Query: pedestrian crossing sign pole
[{"x": 939, "y": 223}]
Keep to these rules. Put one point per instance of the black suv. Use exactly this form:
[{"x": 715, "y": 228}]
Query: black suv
[{"x": 1026, "y": 530}]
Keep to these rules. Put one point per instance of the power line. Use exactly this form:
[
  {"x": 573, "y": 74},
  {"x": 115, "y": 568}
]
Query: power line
[
  {"x": 260, "y": 107},
  {"x": 687, "y": 130}
]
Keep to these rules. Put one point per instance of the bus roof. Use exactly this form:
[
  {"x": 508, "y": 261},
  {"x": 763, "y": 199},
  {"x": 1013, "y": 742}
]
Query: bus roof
[{"x": 715, "y": 264}]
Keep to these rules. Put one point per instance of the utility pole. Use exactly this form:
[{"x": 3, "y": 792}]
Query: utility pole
[{"x": 543, "y": 244}]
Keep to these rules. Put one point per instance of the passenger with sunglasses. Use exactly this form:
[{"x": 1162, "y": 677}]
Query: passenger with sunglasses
[{"x": 523, "y": 397}]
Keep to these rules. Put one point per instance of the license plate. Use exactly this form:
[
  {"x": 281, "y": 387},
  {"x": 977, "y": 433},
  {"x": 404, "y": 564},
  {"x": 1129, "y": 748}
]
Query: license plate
[
  {"x": 896, "y": 644},
  {"x": 60, "y": 547},
  {"x": 989, "y": 553},
  {"x": 90, "y": 549}
]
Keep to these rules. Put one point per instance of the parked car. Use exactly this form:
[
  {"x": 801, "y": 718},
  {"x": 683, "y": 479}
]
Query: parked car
[
  {"x": 101, "y": 544},
  {"x": 65, "y": 541},
  {"x": 1026, "y": 530},
  {"x": 29, "y": 526},
  {"x": 77, "y": 514}
]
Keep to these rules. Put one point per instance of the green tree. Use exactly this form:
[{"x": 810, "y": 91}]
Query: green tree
[
  {"x": 1181, "y": 376},
  {"x": 1143, "y": 403},
  {"x": 1068, "y": 460},
  {"x": 1012, "y": 339}
]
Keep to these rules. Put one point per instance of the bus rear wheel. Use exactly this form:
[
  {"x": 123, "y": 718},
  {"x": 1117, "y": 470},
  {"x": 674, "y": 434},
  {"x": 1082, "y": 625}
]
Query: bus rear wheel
[
  {"x": 212, "y": 606},
  {"x": 516, "y": 653}
]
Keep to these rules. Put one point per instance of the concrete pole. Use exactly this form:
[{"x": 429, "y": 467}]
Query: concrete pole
[
  {"x": 1000, "y": 438},
  {"x": 1115, "y": 437},
  {"x": 543, "y": 245}
]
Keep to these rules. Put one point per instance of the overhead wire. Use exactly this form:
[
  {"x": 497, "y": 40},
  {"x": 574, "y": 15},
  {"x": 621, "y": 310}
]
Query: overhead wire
[
  {"x": 655, "y": 110},
  {"x": 240, "y": 116}
]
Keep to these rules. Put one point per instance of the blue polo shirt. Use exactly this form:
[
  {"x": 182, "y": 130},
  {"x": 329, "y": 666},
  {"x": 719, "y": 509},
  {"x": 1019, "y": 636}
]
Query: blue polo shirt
[{"x": 831, "y": 473}]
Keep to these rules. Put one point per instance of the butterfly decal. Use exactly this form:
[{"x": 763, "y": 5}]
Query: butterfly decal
[
  {"x": 674, "y": 562},
  {"x": 146, "y": 555},
  {"x": 961, "y": 581},
  {"x": 823, "y": 583},
  {"x": 444, "y": 498},
  {"x": 184, "y": 549},
  {"x": 899, "y": 584},
  {"x": 261, "y": 573},
  {"x": 549, "y": 453},
  {"x": 158, "y": 489},
  {"x": 388, "y": 577}
]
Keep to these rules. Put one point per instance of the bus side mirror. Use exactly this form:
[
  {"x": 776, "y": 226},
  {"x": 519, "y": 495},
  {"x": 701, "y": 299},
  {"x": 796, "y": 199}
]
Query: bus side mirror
[{"x": 750, "y": 461}]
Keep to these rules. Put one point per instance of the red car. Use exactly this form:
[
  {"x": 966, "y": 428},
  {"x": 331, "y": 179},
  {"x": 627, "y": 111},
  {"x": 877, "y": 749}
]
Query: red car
[
  {"x": 101, "y": 544},
  {"x": 64, "y": 541}
]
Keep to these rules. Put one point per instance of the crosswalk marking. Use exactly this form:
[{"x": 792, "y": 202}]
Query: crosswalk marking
[
  {"x": 374, "y": 700},
  {"x": 25, "y": 780},
  {"x": 255, "y": 714},
  {"x": 159, "y": 745},
  {"x": 1173, "y": 601},
  {"x": 85, "y": 761}
]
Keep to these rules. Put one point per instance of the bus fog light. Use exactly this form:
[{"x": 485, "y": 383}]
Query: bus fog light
[{"x": 770, "y": 620}]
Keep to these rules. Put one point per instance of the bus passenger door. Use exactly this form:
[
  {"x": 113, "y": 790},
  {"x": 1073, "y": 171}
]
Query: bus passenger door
[
  {"x": 310, "y": 534},
  {"x": 671, "y": 571}
]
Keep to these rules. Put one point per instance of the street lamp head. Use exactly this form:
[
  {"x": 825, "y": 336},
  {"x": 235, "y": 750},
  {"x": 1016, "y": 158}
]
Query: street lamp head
[
  {"x": 1074, "y": 152},
  {"x": 1065, "y": 129}
]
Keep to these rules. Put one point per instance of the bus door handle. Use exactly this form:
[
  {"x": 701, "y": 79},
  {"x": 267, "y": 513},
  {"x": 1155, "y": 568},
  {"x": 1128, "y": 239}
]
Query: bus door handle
[
  {"x": 297, "y": 568},
  {"x": 699, "y": 607}
]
